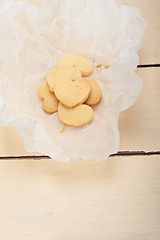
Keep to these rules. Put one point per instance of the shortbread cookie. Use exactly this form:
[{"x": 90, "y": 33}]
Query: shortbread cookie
[
  {"x": 83, "y": 63},
  {"x": 57, "y": 73},
  {"x": 95, "y": 94},
  {"x": 77, "y": 116},
  {"x": 71, "y": 93},
  {"x": 50, "y": 102}
]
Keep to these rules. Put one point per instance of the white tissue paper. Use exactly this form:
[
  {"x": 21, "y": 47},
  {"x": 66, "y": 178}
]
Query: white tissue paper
[{"x": 33, "y": 39}]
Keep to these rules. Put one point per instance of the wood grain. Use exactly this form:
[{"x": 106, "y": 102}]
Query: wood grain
[{"x": 117, "y": 199}]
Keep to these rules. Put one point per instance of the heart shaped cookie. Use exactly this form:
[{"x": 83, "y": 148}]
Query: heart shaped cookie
[
  {"x": 77, "y": 116},
  {"x": 50, "y": 102},
  {"x": 84, "y": 65},
  {"x": 95, "y": 94},
  {"x": 71, "y": 93},
  {"x": 57, "y": 73}
]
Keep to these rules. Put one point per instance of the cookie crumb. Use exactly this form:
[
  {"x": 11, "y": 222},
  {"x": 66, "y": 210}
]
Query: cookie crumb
[
  {"x": 63, "y": 129},
  {"x": 106, "y": 66},
  {"x": 99, "y": 65}
]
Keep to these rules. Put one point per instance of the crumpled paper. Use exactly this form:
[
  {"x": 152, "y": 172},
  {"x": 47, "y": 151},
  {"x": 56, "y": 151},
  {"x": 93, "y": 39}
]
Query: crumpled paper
[{"x": 32, "y": 40}]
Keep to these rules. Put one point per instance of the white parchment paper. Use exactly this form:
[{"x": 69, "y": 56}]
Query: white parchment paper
[{"x": 32, "y": 40}]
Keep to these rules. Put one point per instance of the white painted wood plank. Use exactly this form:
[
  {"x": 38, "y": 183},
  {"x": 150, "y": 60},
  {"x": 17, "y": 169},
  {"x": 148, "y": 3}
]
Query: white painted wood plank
[
  {"x": 117, "y": 199},
  {"x": 150, "y": 48},
  {"x": 11, "y": 143},
  {"x": 140, "y": 125}
]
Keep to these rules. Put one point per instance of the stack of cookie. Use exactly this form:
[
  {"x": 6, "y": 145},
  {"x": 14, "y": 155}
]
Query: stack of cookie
[{"x": 70, "y": 91}]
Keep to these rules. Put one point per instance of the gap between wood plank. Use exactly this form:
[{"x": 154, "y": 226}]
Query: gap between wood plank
[
  {"x": 120, "y": 153},
  {"x": 148, "y": 65},
  {"x": 135, "y": 153}
]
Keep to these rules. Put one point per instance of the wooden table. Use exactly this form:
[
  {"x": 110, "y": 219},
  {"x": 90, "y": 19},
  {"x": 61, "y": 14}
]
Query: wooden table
[{"x": 116, "y": 199}]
